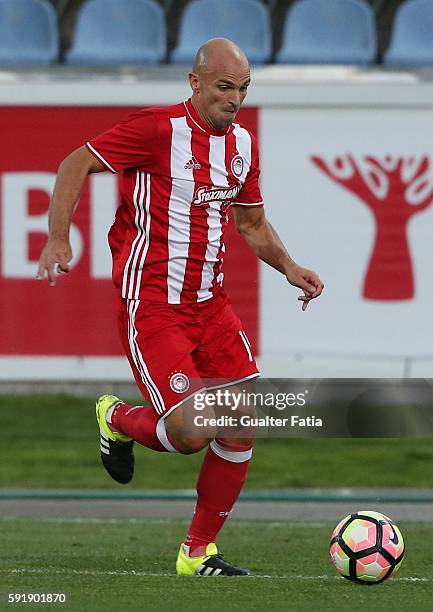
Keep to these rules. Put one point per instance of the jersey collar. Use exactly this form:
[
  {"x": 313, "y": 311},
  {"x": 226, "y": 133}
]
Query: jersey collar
[{"x": 194, "y": 116}]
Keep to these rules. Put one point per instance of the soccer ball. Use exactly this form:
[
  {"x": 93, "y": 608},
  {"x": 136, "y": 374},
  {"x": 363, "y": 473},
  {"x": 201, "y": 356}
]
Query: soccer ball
[{"x": 366, "y": 547}]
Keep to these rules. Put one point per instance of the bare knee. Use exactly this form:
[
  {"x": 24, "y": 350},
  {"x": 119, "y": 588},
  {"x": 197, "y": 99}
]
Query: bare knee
[
  {"x": 187, "y": 445},
  {"x": 187, "y": 438}
]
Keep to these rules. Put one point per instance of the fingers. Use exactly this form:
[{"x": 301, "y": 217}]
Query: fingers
[
  {"x": 62, "y": 268},
  {"x": 303, "y": 281},
  {"x": 315, "y": 285},
  {"x": 49, "y": 269},
  {"x": 308, "y": 287},
  {"x": 320, "y": 287},
  {"x": 307, "y": 280},
  {"x": 46, "y": 270},
  {"x": 51, "y": 276},
  {"x": 305, "y": 299},
  {"x": 311, "y": 295},
  {"x": 54, "y": 260},
  {"x": 314, "y": 288},
  {"x": 318, "y": 290},
  {"x": 41, "y": 272}
]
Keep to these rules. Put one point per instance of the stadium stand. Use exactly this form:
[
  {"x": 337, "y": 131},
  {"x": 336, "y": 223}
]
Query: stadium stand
[
  {"x": 172, "y": 14},
  {"x": 329, "y": 32},
  {"x": 113, "y": 32},
  {"x": 247, "y": 22},
  {"x": 28, "y": 32},
  {"x": 412, "y": 35}
]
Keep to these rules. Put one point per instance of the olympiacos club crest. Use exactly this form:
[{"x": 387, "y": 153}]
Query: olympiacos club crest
[
  {"x": 179, "y": 382},
  {"x": 237, "y": 165}
]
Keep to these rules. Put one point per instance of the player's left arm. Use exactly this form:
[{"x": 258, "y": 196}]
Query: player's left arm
[{"x": 262, "y": 238}]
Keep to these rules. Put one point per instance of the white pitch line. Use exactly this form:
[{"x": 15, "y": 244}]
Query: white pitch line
[
  {"x": 88, "y": 519},
  {"x": 52, "y": 571},
  {"x": 247, "y": 523},
  {"x": 91, "y": 520}
]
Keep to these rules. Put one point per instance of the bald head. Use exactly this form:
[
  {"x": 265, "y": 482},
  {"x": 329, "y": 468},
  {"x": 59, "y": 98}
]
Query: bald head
[
  {"x": 219, "y": 82},
  {"x": 217, "y": 54}
]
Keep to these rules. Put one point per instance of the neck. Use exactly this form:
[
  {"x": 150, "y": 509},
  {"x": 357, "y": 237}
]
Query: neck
[{"x": 196, "y": 104}]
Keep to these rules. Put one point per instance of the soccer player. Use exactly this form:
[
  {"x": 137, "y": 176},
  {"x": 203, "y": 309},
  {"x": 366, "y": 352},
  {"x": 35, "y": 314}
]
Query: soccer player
[{"x": 181, "y": 167}]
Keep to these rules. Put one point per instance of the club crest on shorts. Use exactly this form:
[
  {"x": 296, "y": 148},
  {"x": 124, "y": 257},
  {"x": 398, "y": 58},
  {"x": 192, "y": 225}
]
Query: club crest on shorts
[
  {"x": 237, "y": 165},
  {"x": 179, "y": 382}
]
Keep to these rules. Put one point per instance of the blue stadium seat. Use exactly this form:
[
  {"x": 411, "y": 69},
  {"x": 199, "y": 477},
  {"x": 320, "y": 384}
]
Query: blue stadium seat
[
  {"x": 246, "y": 22},
  {"x": 329, "y": 32},
  {"x": 412, "y": 35},
  {"x": 111, "y": 32},
  {"x": 28, "y": 32}
]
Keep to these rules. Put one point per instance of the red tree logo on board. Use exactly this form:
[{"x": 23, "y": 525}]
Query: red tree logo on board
[{"x": 394, "y": 188}]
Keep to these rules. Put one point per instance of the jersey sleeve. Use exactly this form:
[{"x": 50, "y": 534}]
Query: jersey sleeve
[
  {"x": 250, "y": 194},
  {"x": 129, "y": 144}
]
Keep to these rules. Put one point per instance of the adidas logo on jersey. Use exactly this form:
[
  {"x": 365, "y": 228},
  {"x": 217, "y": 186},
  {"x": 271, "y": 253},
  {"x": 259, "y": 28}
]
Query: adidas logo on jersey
[{"x": 192, "y": 164}]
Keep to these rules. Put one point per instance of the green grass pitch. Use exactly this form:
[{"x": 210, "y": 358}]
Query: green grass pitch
[
  {"x": 125, "y": 565},
  {"x": 53, "y": 441},
  {"x": 128, "y": 565}
]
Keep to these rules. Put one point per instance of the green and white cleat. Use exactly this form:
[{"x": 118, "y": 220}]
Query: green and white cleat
[
  {"x": 211, "y": 564},
  {"x": 116, "y": 449}
]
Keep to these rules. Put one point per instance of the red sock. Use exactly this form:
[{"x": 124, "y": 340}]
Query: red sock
[
  {"x": 221, "y": 479},
  {"x": 142, "y": 424}
]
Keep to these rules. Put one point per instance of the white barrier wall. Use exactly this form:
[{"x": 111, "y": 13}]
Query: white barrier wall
[
  {"x": 376, "y": 303},
  {"x": 347, "y": 180}
]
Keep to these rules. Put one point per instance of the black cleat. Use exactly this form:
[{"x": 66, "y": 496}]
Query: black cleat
[{"x": 116, "y": 449}]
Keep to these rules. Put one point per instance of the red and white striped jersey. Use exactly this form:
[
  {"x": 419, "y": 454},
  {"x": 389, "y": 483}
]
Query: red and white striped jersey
[{"x": 178, "y": 179}]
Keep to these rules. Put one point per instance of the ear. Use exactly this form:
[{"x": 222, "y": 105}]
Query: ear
[{"x": 194, "y": 82}]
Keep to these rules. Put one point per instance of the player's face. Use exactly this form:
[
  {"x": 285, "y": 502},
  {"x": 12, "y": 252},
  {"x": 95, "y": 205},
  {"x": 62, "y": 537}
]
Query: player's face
[{"x": 221, "y": 93}]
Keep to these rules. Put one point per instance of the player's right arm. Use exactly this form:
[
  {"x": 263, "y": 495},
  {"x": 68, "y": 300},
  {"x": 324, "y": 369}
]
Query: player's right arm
[{"x": 71, "y": 176}]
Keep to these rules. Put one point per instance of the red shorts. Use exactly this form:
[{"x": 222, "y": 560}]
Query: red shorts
[{"x": 175, "y": 350}]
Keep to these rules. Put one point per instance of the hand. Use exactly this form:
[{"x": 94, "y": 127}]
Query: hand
[
  {"x": 55, "y": 257},
  {"x": 307, "y": 280}
]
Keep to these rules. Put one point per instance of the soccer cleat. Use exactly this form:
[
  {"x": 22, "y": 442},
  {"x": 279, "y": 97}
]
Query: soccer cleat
[
  {"x": 116, "y": 449},
  {"x": 211, "y": 564}
]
